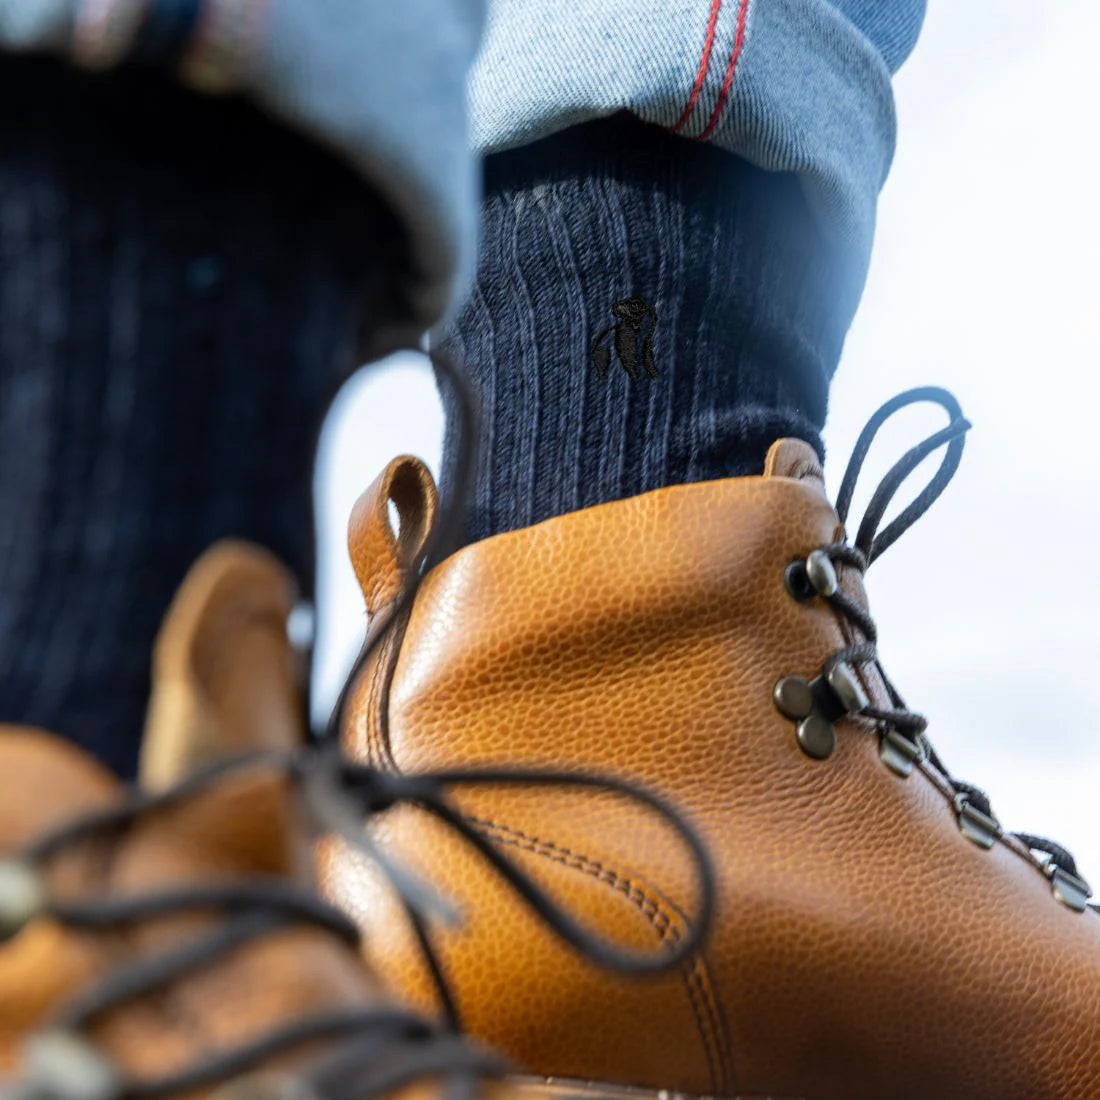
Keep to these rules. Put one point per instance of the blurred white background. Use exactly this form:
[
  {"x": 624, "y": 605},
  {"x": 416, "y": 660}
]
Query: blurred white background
[{"x": 985, "y": 280}]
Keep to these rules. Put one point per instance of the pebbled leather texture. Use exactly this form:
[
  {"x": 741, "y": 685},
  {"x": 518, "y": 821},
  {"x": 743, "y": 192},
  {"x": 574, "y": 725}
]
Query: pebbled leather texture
[
  {"x": 863, "y": 948},
  {"x": 225, "y": 683},
  {"x": 246, "y": 826}
]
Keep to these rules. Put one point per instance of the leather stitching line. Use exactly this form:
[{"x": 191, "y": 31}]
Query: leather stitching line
[
  {"x": 719, "y": 1026},
  {"x": 389, "y": 654},
  {"x": 383, "y": 757},
  {"x": 645, "y": 903},
  {"x": 374, "y": 754},
  {"x": 651, "y": 908},
  {"x": 695, "y": 977}
]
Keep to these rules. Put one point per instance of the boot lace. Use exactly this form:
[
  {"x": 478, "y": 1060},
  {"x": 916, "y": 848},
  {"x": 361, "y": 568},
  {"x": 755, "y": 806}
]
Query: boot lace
[
  {"x": 814, "y": 577},
  {"x": 379, "y": 1048}
]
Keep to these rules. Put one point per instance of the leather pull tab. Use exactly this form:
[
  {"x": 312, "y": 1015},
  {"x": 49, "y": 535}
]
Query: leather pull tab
[{"x": 384, "y": 559}]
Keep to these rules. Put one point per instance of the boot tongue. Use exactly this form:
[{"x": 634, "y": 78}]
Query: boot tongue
[
  {"x": 226, "y": 680},
  {"x": 794, "y": 458}
]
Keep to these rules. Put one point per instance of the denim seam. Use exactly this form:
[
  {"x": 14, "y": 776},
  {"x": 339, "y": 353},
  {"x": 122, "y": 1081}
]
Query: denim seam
[
  {"x": 704, "y": 67},
  {"x": 731, "y": 69}
]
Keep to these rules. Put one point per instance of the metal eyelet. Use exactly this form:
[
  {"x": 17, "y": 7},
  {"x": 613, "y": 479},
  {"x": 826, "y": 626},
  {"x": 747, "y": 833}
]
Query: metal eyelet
[
  {"x": 65, "y": 1066},
  {"x": 797, "y": 700},
  {"x": 900, "y": 754},
  {"x": 845, "y": 685},
  {"x": 975, "y": 825},
  {"x": 22, "y": 896},
  {"x": 798, "y": 583},
  {"x": 1071, "y": 890},
  {"x": 816, "y": 576}
]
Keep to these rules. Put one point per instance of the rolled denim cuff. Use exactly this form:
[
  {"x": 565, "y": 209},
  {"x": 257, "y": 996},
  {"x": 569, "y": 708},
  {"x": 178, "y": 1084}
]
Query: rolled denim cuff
[
  {"x": 790, "y": 85},
  {"x": 383, "y": 85}
]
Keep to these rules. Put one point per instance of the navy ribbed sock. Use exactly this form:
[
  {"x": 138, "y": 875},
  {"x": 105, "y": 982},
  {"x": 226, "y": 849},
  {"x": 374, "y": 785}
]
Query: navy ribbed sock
[
  {"x": 648, "y": 311},
  {"x": 177, "y": 307}
]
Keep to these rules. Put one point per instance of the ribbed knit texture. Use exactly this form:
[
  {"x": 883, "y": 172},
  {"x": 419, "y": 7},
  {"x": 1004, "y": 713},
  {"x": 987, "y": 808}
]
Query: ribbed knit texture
[
  {"x": 181, "y": 287},
  {"x": 746, "y": 340}
]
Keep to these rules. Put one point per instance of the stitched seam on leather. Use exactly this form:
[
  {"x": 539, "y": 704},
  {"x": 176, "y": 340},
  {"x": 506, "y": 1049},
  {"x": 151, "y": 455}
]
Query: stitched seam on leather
[
  {"x": 697, "y": 988},
  {"x": 694, "y": 974},
  {"x": 651, "y": 908},
  {"x": 389, "y": 663},
  {"x": 719, "y": 1026},
  {"x": 373, "y": 720},
  {"x": 388, "y": 657},
  {"x": 645, "y": 903}
]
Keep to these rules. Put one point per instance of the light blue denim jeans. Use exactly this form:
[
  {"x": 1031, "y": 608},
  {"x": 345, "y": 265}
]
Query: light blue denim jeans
[{"x": 404, "y": 92}]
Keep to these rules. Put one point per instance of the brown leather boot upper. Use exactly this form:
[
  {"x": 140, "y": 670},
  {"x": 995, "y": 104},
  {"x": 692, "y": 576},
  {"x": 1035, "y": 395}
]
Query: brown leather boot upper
[
  {"x": 243, "y": 828},
  {"x": 225, "y": 684},
  {"x": 864, "y": 947}
]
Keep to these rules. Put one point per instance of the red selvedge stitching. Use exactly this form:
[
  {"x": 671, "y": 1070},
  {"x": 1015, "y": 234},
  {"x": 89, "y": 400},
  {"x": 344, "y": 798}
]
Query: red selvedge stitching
[
  {"x": 704, "y": 64},
  {"x": 738, "y": 42}
]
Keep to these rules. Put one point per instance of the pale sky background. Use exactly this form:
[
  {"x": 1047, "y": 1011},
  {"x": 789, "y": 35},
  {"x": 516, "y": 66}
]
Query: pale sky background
[{"x": 985, "y": 280}]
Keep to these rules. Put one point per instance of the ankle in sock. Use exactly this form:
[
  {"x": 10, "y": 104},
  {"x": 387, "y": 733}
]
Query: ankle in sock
[{"x": 648, "y": 311}]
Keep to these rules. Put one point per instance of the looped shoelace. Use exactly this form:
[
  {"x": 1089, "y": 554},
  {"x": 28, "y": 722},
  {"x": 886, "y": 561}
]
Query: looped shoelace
[
  {"x": 339, "y": 793},
  {"x": 381, "y": 1048},
  {"x": 870, "y": 543}
]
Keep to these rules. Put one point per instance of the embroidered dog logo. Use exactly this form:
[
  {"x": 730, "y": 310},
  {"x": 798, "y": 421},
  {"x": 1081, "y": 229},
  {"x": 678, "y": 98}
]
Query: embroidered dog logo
[{"x": 631, "y": 337}]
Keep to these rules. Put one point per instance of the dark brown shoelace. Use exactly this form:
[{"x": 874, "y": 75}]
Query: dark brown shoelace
[{"x": 869, "y": 544}]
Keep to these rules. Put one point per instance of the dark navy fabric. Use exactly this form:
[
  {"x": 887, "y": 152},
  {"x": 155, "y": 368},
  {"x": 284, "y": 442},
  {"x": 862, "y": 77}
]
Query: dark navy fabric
[
  {"x": 166, "y": 30},
  {"x": 172, "y": 327},
  {"x": 647, "y": 311}
]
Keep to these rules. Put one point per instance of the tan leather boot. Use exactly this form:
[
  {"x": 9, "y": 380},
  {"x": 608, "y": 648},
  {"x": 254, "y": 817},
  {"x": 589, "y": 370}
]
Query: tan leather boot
[
  {"x": 169, "y": 940},
  {"x": 170, "y": 943},
  {"x": 877, "y": 933}
]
